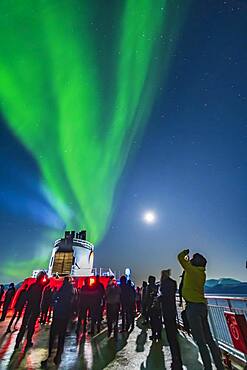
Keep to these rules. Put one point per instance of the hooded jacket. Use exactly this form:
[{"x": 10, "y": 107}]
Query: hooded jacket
[
  {"x": 9, "y": 295},
  {"x": 34, "y": 296},
  {"x": 194, "y": 280},
  {"x": 63, "y": 302},
  {"x": 113, "y": 293}
]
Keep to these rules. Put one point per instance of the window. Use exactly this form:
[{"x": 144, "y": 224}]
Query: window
[{"x": 62, "y": 263}]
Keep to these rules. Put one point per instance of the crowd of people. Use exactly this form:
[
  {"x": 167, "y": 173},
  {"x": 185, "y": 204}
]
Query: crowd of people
[{"x": 88, "y": 305}]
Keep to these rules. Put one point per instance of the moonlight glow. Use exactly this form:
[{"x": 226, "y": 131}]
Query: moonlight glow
[{"x": 149, "y": 217}]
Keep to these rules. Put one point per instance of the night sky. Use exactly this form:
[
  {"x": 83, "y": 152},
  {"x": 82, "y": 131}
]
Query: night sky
[{"x": 166, "y": 132}]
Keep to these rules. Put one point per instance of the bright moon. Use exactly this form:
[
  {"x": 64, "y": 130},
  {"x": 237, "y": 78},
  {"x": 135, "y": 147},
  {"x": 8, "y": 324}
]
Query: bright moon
[{"x": 149, "y": 217}]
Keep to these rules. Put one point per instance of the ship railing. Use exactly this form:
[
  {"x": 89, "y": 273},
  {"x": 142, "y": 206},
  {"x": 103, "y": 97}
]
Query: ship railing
[
  {"x": 81, "y": 242},
  {"x": 82, "y": 271},
  {"x": 101, "y": 271},
  {"x": 217, "y": 306}
]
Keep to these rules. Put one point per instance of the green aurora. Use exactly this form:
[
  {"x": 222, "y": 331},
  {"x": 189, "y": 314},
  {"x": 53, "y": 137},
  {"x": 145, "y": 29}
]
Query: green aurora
[{"x": 77, "y": 84}]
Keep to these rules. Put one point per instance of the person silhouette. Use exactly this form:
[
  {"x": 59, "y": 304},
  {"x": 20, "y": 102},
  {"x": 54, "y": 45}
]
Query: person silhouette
[
  {"x": 61, "y": 316},
  {"x": 9, "y": 295},
  {"x": 19, "y": 307},
  {"x": 196, "y": 307},
  {"x": 168, "y": 290},
  {"x": 34, "y": 296}
]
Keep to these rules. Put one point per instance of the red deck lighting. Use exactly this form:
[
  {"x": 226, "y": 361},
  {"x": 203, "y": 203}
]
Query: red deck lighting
[{"x": 92, "y": 281}]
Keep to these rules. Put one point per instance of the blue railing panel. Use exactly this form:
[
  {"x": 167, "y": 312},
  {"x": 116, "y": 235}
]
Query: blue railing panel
[{"x": 217, "y": 305}]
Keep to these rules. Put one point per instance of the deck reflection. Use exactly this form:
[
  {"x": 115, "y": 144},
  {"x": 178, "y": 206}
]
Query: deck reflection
[{"x": 133, "y": 351}]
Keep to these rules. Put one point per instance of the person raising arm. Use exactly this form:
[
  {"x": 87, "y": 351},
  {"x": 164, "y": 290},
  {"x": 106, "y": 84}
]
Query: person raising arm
[{"x": 196, "y": 307}]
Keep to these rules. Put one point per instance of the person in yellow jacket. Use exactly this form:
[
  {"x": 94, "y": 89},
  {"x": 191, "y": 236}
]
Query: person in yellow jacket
[{"x": 196, "y": 307}]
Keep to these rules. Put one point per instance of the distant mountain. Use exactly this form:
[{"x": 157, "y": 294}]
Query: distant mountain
[
  {"x": 211, "y": 283},
  {"x": 226, "y": 286},
  {"x": 222, "y": 281}
]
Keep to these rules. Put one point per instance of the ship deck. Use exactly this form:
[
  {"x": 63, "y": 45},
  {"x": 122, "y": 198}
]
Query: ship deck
[{"x": 133, "y": 351}]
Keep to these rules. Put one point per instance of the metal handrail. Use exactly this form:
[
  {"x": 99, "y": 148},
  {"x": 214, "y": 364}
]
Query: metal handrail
[
  {"x": 84, "y": 243},
  {"x": 218, "y": 324},
  {"x": 226, "y": 297}
]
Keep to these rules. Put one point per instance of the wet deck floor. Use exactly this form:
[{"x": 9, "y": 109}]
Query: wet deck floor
[{"x": 133, "y": 351}]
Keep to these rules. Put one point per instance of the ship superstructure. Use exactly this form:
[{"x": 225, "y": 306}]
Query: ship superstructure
[{"x": 72, "y": 255}]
